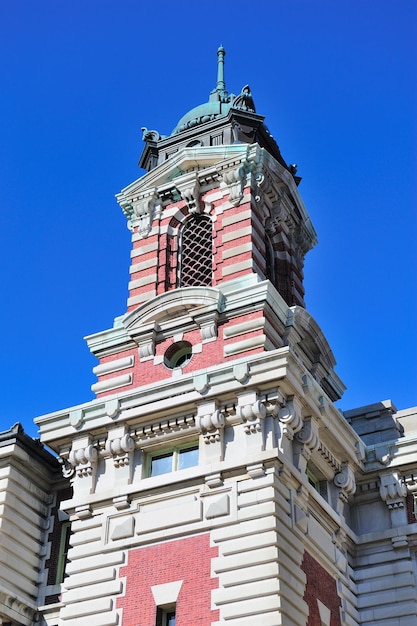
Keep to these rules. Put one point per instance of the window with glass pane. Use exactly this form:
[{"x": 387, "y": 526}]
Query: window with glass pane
[
  {"x": 172, "y": 460},
  {"x": 161, "y": 464},
  {"x": 170, "y": 618},
  {"x": 165, "y": 617},
  {"x": 188, "y": 457}
]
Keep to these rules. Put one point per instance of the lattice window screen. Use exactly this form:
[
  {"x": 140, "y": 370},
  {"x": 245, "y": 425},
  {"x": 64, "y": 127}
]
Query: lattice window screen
[{"x": 196, "y": 252}]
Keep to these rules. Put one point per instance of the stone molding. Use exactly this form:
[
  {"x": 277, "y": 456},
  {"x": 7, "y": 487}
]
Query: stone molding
[{"x": 236, "y": 166}]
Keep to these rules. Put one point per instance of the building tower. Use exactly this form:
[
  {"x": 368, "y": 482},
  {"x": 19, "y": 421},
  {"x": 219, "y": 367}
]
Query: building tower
[{"x": 212, "y": 474}]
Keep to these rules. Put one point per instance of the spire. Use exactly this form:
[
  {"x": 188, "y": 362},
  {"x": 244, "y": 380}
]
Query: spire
[{"x": 220, "y": 92}]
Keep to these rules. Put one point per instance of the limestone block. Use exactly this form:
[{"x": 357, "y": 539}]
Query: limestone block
[
  {"x": 91, "y": 592},
  {"x": 95, "y": 562},
  {"x": 253, "y": 607},
  {"x": 182, "y": 510},
  {"x": 243, "y": 528},
  {"x": 244, "y": 559},
  {"x": 250, "y": 542},
  {"x": 245, "y": 591},
  {"x": 84, "y": 578},
  {"x": 110, "y": 618},
  {"x": 86, "y": 609},
  {"x": 249, "y": 574}
]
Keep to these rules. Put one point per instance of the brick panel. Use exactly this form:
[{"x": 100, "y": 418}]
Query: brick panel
[
  {"x": 320, "y": 586},
  {"x": 188, "y": 560}
]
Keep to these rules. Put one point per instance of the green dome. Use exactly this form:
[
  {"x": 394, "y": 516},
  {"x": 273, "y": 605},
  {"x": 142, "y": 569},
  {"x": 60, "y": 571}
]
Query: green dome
[
  {"x": 203, "y": 113},
  {"x": 218, "y": 105}
]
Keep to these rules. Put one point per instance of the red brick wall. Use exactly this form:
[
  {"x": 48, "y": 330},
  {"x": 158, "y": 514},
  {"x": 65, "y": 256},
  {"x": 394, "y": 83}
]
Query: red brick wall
[
  {"x": 188, "y": 560},
  {"x": 145, "y": 373},
  {"x": 320, "y": 586}
]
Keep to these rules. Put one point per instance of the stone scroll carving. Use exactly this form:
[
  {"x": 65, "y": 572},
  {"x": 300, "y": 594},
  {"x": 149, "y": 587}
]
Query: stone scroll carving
[
  {"x": 345, "y": 481},
  {"x": 290, "y": 419},
  {"x": 392, "y": 491},
  {"x": 84, "y": 460},
  {"x": 306, "y": 442},
  {"x": 190, "y": 192},
  {"x": 235, "y": 180},
  {"x": 120, "y": 449},
  {"x": 251, "y": 416},
  {"x": 210, "y": 425},
  {"x": 142, "y": 212}
]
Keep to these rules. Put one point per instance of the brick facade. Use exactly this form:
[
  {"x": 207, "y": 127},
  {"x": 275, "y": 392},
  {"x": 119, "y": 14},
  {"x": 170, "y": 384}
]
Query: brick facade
[
  {"x": 186, "y": 559},
  {"x": 320, "y": 586}
]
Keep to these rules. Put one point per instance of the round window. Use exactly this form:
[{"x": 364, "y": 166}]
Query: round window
[{"x": 178, "y": 355}]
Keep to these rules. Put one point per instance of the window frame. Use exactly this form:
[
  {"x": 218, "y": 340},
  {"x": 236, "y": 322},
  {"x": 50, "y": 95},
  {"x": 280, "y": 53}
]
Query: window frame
[
  {"x": 174, "y": 452},
  {"x": 180, "y": 251},
  {"x": 318, "y": 484}
]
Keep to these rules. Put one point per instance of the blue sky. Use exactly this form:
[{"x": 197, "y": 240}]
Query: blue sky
[{"x": 336, "y": 81}]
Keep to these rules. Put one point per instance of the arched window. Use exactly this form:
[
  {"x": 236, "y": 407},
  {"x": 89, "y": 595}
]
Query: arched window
[{"x": 196, "y": 252}]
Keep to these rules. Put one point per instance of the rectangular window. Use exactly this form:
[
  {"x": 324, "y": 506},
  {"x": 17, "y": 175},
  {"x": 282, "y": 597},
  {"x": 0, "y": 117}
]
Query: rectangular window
[
  {"x": 63, "y": 552},
  {"x": 173, "y": 460},
  {"x": 165, "y": 617},
  {"x": 319, "y": 485}
]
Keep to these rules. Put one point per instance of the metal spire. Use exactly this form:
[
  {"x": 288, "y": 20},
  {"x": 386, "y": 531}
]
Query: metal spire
[{"x": 221, "y": 85}]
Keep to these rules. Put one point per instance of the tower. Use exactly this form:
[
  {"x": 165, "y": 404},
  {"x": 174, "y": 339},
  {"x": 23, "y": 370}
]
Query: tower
[{"x": 212, "y": 475}]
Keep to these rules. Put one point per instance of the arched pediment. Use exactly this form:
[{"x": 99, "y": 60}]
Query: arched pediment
[{"x": 175, "y": 303}]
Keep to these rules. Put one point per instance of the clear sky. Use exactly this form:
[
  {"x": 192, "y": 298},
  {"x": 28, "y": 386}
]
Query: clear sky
[{"x": 336, "y": 81}]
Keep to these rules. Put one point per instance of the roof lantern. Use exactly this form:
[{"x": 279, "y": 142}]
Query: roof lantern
[{"x": 224, "y": 120}]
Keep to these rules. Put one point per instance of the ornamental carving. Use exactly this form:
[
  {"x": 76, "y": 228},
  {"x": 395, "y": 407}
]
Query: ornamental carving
[
  {"x": 290, "y": 418},
  {"x": 251, "y": 415},
  {"x": 308, "y": 437},
  {"x": 190, "y": 192},
  {"x": 392, "y": 491},
  {"x": 120, "y": 448},
  {"x": 210, "y": 425},
  {"x": 235, "y": 179},
  {"x": 345, "y": 481},
  {"x": 174, "y": 424},
  {"x": 150, "y": 135},
  {"x": 84, "y": 460},
  {"x": 67, "y": 469},
  {"x": 143, "y": 212}
]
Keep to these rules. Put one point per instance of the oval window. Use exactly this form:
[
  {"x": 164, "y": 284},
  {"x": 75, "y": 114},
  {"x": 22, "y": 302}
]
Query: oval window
[{"x": 178, "y": 355}]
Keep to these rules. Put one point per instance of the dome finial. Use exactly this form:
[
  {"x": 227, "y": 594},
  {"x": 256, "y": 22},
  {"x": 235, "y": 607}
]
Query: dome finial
[
  {"x": 220, "y": 91},
  {"x": 221, "y": 85}
]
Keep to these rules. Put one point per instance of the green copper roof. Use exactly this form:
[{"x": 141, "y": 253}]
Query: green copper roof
[{"x": 219, "y": 104}]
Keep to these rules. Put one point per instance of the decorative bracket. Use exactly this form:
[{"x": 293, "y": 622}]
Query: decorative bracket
[
  {"x": 143, "y": 212},
  {"x": 289, "y": 416},
  {"x": 345, "y": 481},
  {"x": 121, "y": 449},
  {"x": 210, "y": 425},
  {"x": 190, "y": 192},
  {"x": 84, "y": 461},
  {"x": 392, "y": 491},
  {"x": 251, "y": 415},
  {"x": 235, "y": 180}
]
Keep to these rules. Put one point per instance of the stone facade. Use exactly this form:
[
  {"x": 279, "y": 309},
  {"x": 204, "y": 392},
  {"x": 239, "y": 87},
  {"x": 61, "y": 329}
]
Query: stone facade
[{"x": 212, "y": 480}]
